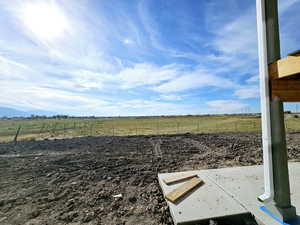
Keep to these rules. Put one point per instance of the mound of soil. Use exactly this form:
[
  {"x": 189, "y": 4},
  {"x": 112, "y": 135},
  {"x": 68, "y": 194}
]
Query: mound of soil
[{"x": 110, "y": 180}]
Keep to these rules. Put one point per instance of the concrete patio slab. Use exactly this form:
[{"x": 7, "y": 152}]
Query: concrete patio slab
[
  {"x": 227, "y": 192},
  {"x": 204, "y": 202}
]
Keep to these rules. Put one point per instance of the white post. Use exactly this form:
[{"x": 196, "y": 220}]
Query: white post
[{"x": 265, "y": 102}]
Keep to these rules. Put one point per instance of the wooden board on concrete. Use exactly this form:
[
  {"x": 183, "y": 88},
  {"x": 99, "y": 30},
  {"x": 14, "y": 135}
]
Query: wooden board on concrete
[
  {"x": 286, "y": 68},
  {"x": 286, "y": 90},
  {"x": 183, "y": 189},
  {"x": 206, "y": 202},
  {"x": 178, "y": 178}
]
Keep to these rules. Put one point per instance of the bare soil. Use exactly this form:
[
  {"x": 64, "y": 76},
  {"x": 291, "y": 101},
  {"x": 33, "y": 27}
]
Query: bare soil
[{"x": 73, "y": 181}]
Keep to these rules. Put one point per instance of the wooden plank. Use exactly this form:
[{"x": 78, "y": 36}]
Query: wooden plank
[
  {"x": 286, "y": 90},
  {"x": 178, "y": 178},
  {"x": 183, "y": 189},
  {"x": 286, "y": 96},
  {"x": 285, "y": 84},
  {"x": 286, "y": 68}
]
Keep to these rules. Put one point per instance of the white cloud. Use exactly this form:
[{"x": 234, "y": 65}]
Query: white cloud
[
  {"x": 13, "y": 71},
  {"x": 27, "y": 95},
  {"x": 245, "y": 92},
  {"x": 32, "y": 90},
  {"x": 226, "y": 106},
  {"x": 237, "y": 43},
  {"x": 146, "y": 74},
  {"x": 284, "y": 5},
  {"x": 171, "y": 97},
  {"x": 10, "y": 69},
  {"x": 237, "y": 40},
  {"x": 253, "y": 79},
  {"x": 86, "y": 79},
  {"x": 198, "y": 78},
  {"x": 152, "y": 29},
  {"x": 137, "y": 107},
  {"x": 239, "y": 36}
]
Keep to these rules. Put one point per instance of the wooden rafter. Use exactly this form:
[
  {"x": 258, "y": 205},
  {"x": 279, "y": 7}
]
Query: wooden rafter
[{"x": 286, "y": 68}]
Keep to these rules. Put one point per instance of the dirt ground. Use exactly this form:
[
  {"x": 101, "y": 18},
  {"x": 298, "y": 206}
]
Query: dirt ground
[{"x": 73, "y": 181}]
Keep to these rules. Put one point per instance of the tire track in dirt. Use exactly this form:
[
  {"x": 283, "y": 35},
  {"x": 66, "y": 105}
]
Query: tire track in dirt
[{"x": 73, "y": 181}]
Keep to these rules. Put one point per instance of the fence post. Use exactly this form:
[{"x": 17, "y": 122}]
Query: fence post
[
  {"x": 42, "y": 128},
  {"x": 54, "y": 128},
  {"x": 17, "y": 134},
  {"x": 64, "y": 129}
]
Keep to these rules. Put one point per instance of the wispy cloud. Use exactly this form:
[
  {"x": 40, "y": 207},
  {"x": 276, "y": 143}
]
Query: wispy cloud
[
  {"x": 147, "y": 74},
  {"x": 245, "y": 92},
  {"x": 27, "y": 95},
  {"x": 197, "y": 78},
  {"x": 226, "y": 106},
  {"x": 285, "y": 5},
  {"x": 171, "y": 97}
]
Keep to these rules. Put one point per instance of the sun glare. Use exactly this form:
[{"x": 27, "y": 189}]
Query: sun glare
[{"x": 44, "y": 20}]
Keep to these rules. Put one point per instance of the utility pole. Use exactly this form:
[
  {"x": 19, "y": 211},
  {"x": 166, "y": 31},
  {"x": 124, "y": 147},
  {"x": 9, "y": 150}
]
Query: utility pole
[{"x": 277, "y": 187}]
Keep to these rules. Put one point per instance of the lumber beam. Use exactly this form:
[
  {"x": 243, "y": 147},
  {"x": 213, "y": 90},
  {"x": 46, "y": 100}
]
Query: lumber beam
[
  {"x": 286, "y": 68},
  {"x": 179, "y": 178},
  {"x": 183, "y": 189},
  {"x": 286, "y": 90}
]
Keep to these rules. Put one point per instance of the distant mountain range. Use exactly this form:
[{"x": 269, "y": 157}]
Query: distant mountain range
[{"x": 10, "y": 112}]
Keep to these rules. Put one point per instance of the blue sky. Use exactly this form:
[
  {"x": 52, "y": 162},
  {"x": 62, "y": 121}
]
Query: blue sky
[{"x": 134, "y": 57}]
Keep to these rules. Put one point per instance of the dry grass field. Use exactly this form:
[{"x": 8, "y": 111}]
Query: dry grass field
[{"x": 126, "y": 126}]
